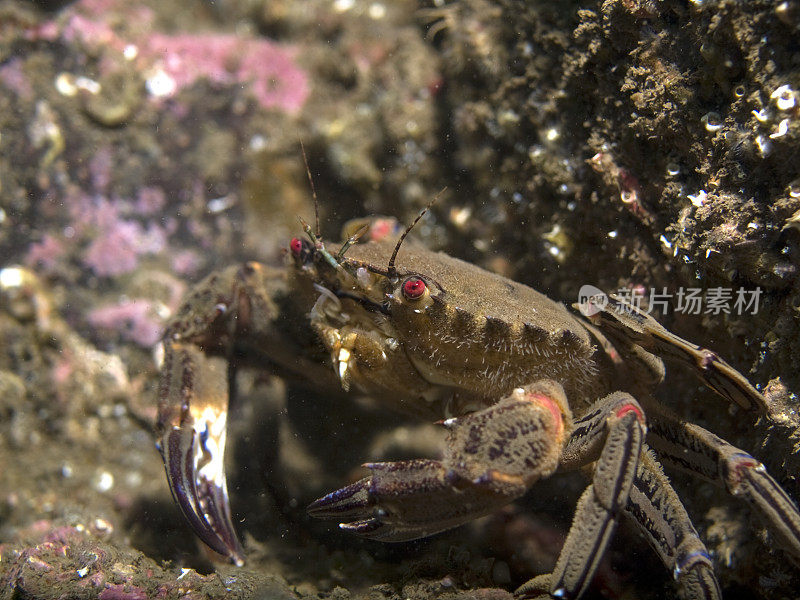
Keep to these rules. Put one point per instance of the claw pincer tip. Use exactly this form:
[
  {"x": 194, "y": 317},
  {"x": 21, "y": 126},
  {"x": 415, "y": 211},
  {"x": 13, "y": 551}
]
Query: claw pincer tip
[{"x": 193, "y": 462}]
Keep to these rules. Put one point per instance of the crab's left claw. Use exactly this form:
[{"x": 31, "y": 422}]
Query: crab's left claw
[{"x": 192, "y": 414}]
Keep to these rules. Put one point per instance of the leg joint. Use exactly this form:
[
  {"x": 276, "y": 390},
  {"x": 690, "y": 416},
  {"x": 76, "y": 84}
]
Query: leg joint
[
  {"x": 624, "y": 404},
  {"x": 734, "y": 470},
  {"x": 631, "y": 407}
]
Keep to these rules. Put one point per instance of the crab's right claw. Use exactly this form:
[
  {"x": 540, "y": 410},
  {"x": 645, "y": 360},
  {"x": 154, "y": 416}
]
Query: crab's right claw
[{"x": 192, "y": 414}]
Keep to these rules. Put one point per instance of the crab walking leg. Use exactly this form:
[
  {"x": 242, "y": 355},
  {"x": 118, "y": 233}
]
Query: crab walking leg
[
  {"x": 623, "y": 322},
  {"x": 611, "y": 434},
  {"x": 491, "y": 457},
  {"x": 660, "y": 515},
  {"x": 693, "y": 449}
]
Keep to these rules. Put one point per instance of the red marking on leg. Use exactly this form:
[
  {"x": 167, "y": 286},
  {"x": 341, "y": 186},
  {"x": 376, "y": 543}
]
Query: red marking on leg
[
  {"x": 737, "y": 470},
  {"x": 740, "y": 465},
  {"x": 555, "y": 410},
  {"x": 630, "y": 408}
]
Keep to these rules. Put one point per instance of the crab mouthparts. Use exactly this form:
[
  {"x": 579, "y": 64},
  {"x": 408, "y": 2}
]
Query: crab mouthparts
[{"x": 343, "y": 365}]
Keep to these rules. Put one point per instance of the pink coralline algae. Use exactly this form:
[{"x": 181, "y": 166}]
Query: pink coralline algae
[
  {"x": 150, "y": 200},
  {"x": 135, "y": 320},
  {"x": 274, "y": 78},
  {"x": 45, "y": 252},
  {"x": 12, "y": 75},
  {"x": 175, "y": 61},
  {"x": 46, "y": 560},
  {"x": 100, "y": 168},
  {"x": 118, "y": 591},
  {"x": 110, "y": 235},
  {"x": 117, "y": 242},
  {"x": 115, "y": 251},
  {"x": 186, "y": 262}
]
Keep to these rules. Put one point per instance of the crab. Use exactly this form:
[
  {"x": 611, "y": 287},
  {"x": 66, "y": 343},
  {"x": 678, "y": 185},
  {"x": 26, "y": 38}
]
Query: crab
[{"x": 525, "y": 388}]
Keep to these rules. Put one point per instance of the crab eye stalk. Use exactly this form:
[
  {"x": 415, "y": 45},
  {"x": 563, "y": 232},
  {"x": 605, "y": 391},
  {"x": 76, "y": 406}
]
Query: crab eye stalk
[
  {"x": 296, "y": 246},
  {"x": 302, "y": 250},
  {"x": 413, "y": 288}
]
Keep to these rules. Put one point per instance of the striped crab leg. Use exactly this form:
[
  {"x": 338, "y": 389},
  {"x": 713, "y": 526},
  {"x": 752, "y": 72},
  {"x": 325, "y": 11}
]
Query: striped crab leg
[
  {"x": 625, "y": 323},
  {"x": 694, "y": 450}
]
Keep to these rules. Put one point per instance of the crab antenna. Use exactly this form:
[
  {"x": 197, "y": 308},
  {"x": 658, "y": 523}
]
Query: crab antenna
[
  {"x": 391, "y": 271},
  {"x": 319, "y": 246},
  {"x": 313, "y": 191}
]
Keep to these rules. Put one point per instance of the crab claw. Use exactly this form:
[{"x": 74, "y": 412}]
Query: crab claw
[
  {"x": 407, "y": 500},
  {"x": 192, "y": 424}
]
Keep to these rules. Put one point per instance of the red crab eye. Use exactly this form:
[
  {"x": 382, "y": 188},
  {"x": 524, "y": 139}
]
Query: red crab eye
[
  {"x": 413, "y": 288},
  {"x": 296, "y": 246}
]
